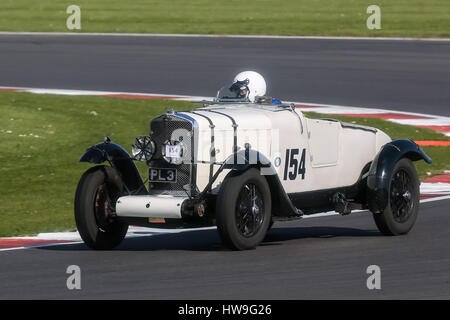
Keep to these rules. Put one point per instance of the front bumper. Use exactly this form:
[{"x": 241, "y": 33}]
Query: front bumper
[{"x": 150, "y": 206}]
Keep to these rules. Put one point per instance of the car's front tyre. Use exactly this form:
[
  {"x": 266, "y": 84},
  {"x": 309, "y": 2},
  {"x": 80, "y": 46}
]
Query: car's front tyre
[
  {"x": 94, "y": 202},
  {"x": 403, "y": 205},
  {"x": 243, "y": 210}
]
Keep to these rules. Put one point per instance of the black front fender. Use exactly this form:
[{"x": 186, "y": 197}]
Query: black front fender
[
  {"x": 380, "y": 172},
  {"x": 119, "y": 160},
  {"x": 244, "y": 159}
]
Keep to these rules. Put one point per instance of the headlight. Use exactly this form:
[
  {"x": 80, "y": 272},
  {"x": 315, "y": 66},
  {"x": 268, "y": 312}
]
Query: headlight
[
  {"x": 173, "y": 151},
  {"x": 143, "y": 148}
]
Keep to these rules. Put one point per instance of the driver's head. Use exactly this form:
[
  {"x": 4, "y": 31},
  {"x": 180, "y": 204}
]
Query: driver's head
[
  {"x": 254, "y": 83},
  {"x": 246, "y": 86},
  {"x": 243, "y": 91},
  {"x": 240, "y": 88}
]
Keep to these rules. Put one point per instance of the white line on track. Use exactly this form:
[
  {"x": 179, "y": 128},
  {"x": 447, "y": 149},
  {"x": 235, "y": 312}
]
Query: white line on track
[
  {"x": 220, "y": 36},
  {"x": 141, "y": 232},
  {"x": 329, "y": 108},
  {"x": 435, "y": 199},
  {"x": 41, "y": 246},
  {"x": 336, "y": 109}
]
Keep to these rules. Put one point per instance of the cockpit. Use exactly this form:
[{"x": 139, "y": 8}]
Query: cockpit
[{"x": 236, "y": 92}]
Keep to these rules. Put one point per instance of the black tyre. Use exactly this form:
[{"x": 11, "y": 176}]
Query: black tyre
[
  {"x": 270, "y": 224},
  {"x": 94, "y": 202},
  {"x": 403, "y": 205},
  {"x": 243, "y": 210}
]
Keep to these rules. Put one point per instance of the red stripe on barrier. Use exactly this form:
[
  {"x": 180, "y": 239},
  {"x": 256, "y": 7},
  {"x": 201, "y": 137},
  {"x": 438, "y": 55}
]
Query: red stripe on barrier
[
  {"x": 137, "y": 96},
  {"x": 431, "y": 196},
  {"x": 444, "y": 178},
  {"x": 443, "y": 129},
  {"x": 433, "y": 143},
  {"x": 388, "y": 115},
  {"x": 16, "y": 243}
]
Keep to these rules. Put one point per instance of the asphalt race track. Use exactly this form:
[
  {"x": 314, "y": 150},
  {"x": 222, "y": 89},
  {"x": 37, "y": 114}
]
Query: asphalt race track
[
  {"x": 315, "y": 258},
  {"x": 409, "y": 76}
]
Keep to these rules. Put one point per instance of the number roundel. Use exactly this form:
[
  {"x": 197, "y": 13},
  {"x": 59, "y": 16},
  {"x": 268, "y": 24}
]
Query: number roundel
[{"x": 294, "y": 167}]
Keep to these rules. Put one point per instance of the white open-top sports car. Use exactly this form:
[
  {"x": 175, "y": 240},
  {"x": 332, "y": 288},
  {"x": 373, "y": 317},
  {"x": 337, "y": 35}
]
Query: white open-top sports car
[{"x": 241, "y": 162}]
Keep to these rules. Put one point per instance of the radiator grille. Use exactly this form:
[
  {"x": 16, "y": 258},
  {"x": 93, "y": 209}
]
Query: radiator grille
[{"x": 161, "y": 129}]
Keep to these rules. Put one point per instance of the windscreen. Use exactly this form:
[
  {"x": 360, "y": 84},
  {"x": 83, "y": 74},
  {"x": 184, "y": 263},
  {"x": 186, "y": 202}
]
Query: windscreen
[{"x": 238, "y": 91}]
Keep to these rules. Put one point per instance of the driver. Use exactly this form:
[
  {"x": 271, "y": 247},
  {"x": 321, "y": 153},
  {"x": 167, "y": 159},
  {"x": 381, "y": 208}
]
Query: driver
[
  {"x": 247, "y": 86},
  {"x": 241, "y": 89}
]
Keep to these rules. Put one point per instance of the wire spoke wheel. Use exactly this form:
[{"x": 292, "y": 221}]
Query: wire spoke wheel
[
  {"x": 95, "y": 217},
  {"x": 243, "y": 209},
  {"x": 103, "y": 210},
  {"x": 400, "y": 213},
  {"x": 401, "y": 196},
  {"x": 249, "y": 210}
]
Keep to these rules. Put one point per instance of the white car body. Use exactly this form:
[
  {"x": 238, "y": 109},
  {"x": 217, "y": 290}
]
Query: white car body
[
  {"x": 241, "y": 166},
  {"x": 335, "y": 152}
]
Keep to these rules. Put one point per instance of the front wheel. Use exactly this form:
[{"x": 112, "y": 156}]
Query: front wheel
[
  {"x": 243, "y": 210},
  {"x": 404, "y": 197},
  {"x": 94, "y": 202}
]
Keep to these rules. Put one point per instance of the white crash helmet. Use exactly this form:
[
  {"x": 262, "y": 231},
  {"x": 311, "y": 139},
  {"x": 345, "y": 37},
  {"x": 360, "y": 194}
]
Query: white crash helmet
[{"x": 256, "y": 83}]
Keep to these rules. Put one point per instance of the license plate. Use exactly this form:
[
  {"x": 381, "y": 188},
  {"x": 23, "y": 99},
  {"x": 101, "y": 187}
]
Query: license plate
[{"x": 162, "y": 175}]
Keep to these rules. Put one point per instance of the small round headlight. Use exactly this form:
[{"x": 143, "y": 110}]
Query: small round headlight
[{"x": 143, "y": 148}]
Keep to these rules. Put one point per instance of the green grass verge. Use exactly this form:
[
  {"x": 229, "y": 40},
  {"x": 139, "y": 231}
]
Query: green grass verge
[
  {"x": 43, "y": 136},
  {"x": 412, "y": 18}
]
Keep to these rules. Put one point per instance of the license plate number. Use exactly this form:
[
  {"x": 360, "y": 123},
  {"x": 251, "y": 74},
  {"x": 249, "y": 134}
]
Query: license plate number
[{"x": 162, "y": 175}]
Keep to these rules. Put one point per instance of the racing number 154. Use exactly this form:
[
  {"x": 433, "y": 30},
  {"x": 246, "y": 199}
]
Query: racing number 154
[{"x": 292, "y": 166}]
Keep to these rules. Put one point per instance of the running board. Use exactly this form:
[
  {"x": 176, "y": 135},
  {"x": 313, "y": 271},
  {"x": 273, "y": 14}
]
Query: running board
[
  {"x": 289, "y": 218},
  {"x": 343, "y": 206},
  {"x": 150, "y": 206},
  {"x": 298, "y": 216}
]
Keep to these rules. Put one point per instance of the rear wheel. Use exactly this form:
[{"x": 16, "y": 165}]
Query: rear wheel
[
  {"x": 243, "y": 210},
  {"x": 403, "y": 205},
  {"x": 94, "y": 211}
]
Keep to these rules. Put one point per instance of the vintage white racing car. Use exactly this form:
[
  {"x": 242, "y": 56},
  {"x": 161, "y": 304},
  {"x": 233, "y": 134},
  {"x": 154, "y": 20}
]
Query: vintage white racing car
[{"x": 242, "y": 162}]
